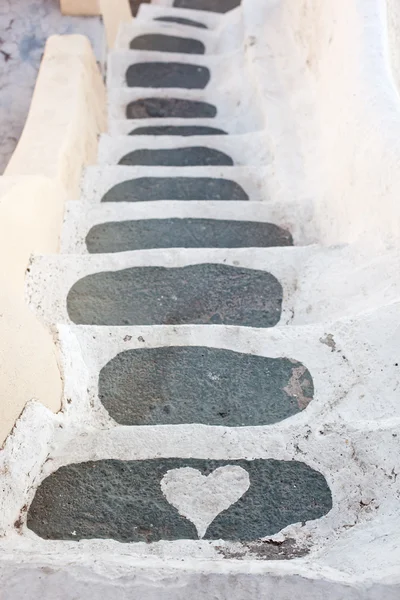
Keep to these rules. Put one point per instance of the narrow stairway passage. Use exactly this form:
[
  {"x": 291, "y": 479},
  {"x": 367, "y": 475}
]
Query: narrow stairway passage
[{"x": 187, "y": 419}]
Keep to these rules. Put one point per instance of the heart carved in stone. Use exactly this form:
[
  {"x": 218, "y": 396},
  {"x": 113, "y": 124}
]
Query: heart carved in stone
[{"x": 201, "y": 498}]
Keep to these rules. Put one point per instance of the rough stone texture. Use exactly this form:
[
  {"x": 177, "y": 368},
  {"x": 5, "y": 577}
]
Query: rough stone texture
[
  {"x": 183, "y": 130},
  {"x": 182, "y": 21},
  {"x": 219, "y": 6},
  {"x": 177, "y": 157},
  {"x": 203, "y": 294},
  {"x": 167, "y": 75},
  {"x": 158, "y": 42},
  {"x": 120, "y": 236},
  {"x": 157, "y": 108},
  {"x": 178, "y": 385},
  {"x": 122, "y": 500},
  {"x": 175, "y": 188}
]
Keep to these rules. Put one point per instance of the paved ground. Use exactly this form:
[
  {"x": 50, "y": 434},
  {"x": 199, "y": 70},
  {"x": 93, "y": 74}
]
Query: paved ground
[{"x": 25, "y": 26}]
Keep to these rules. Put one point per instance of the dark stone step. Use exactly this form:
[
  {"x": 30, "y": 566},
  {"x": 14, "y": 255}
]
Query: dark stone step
[
  {"x": 120, "y": 236},
  {"x": 158, "y": 42},
  {"x": 182, "y": 21},
  {"x": 167, "y": 75},
  {"x": 123, "y": 500},
  {"x": 183, "y": 130},
  {"x": 178, "y": 385},
  {"x": 218, "y": 6},
  {"x": 175, "y": 188},
  {"x": 177, "y": 157},
  {"x": 157, "y": 108},
  {"x": 203, "y": 294}
]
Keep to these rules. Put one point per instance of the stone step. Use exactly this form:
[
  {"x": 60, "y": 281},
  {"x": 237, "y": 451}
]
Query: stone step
[
  {"x": 172, "y": 151},
  {"x": 160, "y": 499},
  {"x": 168, "y": 286},
  {"x": 144, "y": 69},
  {"x": 137, "y": 184},
  {"x": 152, "y": 11},
  {"x": 229, "y": 36},
  {"x": 252, "y": 287},
  {"x": 222, "y": 6},
  {"x": 180, "y": 127},
  {"x": 308, "y": 368},
  {"x": 233, "y": 221},
  {"x": 227, "y": 104}
]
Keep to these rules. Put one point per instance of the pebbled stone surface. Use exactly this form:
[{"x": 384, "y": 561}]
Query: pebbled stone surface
[
  {"x": 122, "y": 500},
  {"x": 183, "y": 130},
  {"x": 182, "y": 21},
  {"x": 159, "y": 42},
  {"x": 120, "y": 236},
  {"x": 167, "y": 75},
  {"x": 203, "y": 294},
  {"x": 178, "y": 385},
  {"x": 164, "y": 108},
  {"x": 219, "y": 6},
  {"x": 175, "y": 188},
  {"x": 177, "y": 157}
]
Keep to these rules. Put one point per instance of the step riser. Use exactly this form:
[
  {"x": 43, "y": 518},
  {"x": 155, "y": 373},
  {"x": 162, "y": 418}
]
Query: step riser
[{"x": 247, "y": 149}]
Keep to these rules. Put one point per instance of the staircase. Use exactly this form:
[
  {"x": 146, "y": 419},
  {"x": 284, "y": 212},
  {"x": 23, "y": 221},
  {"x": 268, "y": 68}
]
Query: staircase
[{"x": 218, "y": 359}]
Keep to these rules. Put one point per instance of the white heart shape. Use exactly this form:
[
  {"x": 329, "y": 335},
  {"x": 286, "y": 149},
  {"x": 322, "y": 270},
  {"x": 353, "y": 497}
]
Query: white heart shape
[{"x": 201, "y": 498}]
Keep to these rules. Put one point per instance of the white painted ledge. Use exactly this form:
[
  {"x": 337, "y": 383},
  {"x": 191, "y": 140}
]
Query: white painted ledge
[
  {"x": 60, "y": 138},
  {"x": 66, "y": 116}
]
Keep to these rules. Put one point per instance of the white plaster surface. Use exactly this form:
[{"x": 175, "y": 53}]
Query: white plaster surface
[
  {"x": 332, "y": 112},
  {"x": 25, "y": 25},
  {"x": 201, "y": 498}
]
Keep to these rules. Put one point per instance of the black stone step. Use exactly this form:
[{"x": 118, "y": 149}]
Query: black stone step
[
  {"x": 157, "y": 108},
  {"x": 158, "y": 42},
  {"x": 167, "y": 75},
  {"x": 178, "y": 385},
  {"x": 218, "y": 6},
  {"x": 120, "y": 236},
  {"x": 181, "y": 21},
  {"x": 123, "y": 500},
  {"x": 177, "y": 157},
  {"x": 175, "y": 188},
  {"x": 200, "y": 294},
  {"x": 182, "y": 130}
]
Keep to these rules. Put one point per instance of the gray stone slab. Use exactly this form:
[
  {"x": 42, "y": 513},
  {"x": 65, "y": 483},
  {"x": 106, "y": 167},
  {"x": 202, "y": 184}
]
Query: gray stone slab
[
  {"x": 157, "y": 108},
  {"x": 219, "y": 6},
  {"x": 183, "y": 130},
  {"x": 178, "y": 385},
  {"x": 120, "y": 236},
  {"x": 177, "y": 157},
  {"x": 167, "y": 75},
  {"x": 182, "y": 21},
  {"x": 158, "y": 42},
  {"x": 123, "y": 500},
  {"x": 175, "y": 188},
  {"x": 203, "y": 294}
]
